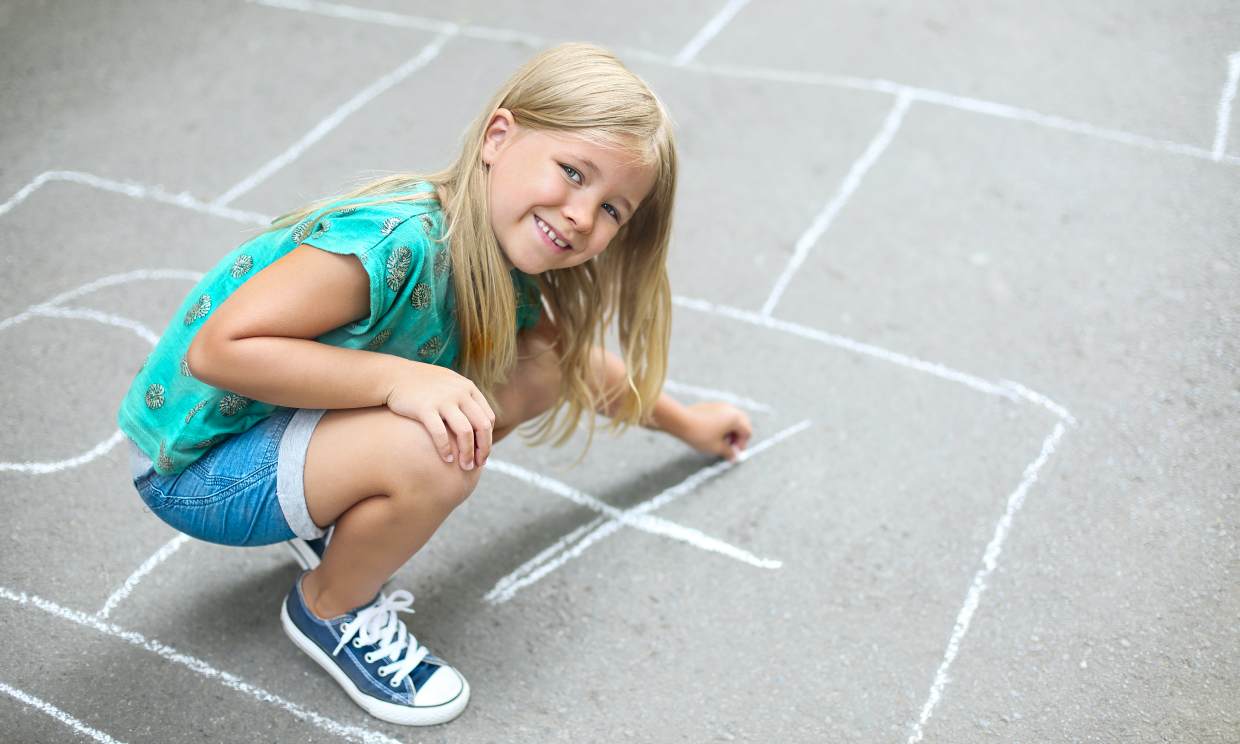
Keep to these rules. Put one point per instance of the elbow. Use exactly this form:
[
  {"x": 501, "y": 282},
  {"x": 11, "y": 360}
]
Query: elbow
[{"x": 202, "y": 358}]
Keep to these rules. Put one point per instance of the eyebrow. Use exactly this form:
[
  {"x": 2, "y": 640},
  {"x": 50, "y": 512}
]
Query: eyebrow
[{"x": 628, "y": 206}]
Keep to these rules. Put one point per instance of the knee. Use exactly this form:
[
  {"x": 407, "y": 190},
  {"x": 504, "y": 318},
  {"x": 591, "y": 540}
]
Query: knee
[{"x": 415, "y": 470}]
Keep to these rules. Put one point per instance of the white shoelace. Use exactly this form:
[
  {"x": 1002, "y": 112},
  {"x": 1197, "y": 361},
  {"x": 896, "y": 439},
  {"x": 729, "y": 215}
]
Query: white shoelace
[{"x": 379, "y": 626}]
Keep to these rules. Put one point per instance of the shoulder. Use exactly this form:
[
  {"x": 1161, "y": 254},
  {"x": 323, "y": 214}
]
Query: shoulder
[{"x": 412, "y": 214}]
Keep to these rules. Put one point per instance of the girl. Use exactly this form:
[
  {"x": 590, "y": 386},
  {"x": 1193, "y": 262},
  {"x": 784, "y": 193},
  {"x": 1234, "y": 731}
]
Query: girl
[{"x": 352, "y": 366}]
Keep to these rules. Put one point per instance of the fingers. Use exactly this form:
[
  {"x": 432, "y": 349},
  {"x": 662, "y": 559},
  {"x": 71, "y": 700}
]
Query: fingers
[
  {"x": 439, "y": 435},
  {"x": 482, "y": 427},
  {"x": 462, "y": 436}
]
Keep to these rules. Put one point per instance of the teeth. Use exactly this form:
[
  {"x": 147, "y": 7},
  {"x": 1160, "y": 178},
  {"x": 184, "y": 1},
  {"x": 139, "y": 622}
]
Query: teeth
[{"x": 550, "y": 233}]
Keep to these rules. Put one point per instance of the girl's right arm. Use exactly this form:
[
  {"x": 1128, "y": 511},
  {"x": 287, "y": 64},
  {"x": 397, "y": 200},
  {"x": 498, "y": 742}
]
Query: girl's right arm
[{"x": 260, "y": 343}]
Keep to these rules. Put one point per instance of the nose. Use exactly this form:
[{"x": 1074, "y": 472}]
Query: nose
[{"x": 580, "y": 212}]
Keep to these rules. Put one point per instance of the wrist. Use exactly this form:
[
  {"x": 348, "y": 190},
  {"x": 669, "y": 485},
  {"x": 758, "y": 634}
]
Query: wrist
[{"x": 670, "y": 416}]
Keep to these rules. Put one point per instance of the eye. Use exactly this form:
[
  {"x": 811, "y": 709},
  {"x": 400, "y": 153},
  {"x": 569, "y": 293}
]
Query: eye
[
  {"x": 573, "y": 174},
  {"x": 615, "y": 213}
]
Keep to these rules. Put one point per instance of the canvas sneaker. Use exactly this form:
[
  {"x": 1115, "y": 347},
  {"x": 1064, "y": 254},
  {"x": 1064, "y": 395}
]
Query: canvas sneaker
[
  {"x": 372, "y": 655},
  {"x": 308, "y": 553}
]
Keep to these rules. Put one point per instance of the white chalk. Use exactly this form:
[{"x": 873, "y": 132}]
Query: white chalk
[
  {"x": 536, "y": 568},
  {"x": 891, "y": 124},
  {"x": 709, "y": 31},
  {"x": 136, "y": 191},
  {"x": 653, "y": 525},
  {"x": 712, "y": 394},
  {"x": 843, "y": 342},
  {"x": 990, "y": 560},
  {"x": 198, "y": 666},
  {"x": 333, "y": 120},
  {"x": 53, "y": 309},
  {"x": 1224, "y": 106},
  {"x": 147, "y": 566},
  {"x": 57, "y": 713}
]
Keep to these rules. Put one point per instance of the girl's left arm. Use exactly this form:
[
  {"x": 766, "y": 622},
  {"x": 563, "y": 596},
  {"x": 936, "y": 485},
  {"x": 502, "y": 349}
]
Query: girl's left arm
[{"x": 713, "y": 428}]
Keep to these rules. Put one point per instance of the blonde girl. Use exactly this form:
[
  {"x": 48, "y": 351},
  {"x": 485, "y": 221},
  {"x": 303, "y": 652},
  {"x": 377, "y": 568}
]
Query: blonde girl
[{"x": 350, "y": 368}]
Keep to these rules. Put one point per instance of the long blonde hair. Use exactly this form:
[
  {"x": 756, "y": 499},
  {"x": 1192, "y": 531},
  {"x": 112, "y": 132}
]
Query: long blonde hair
[{"x": 585, "y": 91}]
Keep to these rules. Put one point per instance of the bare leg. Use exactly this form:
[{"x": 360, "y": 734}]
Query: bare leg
[{"x": 379, "y": 477}]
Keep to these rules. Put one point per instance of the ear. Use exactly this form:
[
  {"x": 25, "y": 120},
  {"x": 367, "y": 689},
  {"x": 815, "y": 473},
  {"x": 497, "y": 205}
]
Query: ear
[{"x": 498, "y": 133}]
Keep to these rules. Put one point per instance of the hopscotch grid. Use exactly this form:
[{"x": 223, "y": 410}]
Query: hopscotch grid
[
  {"x": 1007, "y": 389},
  {"x": 905, "y": 93}
]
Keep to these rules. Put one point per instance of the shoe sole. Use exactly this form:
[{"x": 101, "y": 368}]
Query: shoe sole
[{"x": 390, "y": 712}]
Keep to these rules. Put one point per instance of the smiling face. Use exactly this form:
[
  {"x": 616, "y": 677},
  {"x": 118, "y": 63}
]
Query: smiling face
[{"x": 556, "y": 200}]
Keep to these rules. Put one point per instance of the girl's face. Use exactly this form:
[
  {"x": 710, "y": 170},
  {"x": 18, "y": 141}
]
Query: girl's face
[{"x": 556, "y": 200}]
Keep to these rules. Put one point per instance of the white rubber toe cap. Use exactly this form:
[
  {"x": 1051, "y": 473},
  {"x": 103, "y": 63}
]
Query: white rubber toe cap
[{"x": 444, "y": 685}]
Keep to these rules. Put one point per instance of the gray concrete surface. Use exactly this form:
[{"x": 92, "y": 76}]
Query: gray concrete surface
[{"x": 895, "y": 222}]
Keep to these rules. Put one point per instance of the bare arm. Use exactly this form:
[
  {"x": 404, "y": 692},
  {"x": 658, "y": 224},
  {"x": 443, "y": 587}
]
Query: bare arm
[
  {"x": 714, "y": 428},
  {"x": 669, "y": 415},
  {"x": 260, "y": 343}
]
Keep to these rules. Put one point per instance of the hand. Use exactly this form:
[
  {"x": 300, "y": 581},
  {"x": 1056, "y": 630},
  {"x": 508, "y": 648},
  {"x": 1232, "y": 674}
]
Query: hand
[
  {"x": 453, "y": 410},
  {"x": 717, "y": 429}
]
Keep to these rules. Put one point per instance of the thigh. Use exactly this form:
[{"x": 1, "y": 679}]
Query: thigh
[{"x": 358, "y": 453}]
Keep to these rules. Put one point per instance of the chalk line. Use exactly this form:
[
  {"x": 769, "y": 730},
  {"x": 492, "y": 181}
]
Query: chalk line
[
  {"x": 544, "y": 555},
  {"x": 43, "y": 468},
  {"x": 990, "y": 559},
  {"x": 653, "y": 525},
  {"x": 878, "y": 85},
  {"x": 355, "y": 13},
  {"x": 712, "y": 394},
  {"x": 891, "y": 124},
  {"x": 963, "y": 103},
  {"x": 53, "y": 309},
  {"x": 404, "y": 20},
  {"x": 831, "y": 339},
  {"x": 85, "y": 313},
  {"x": 543, "y": 564},
  {"x": 333, "y": 120},
  {"x": 147, "y": 566},
  {"x": 135, "y": 190},
  {"x": 709, "y": 31},
  {"x": 1039, "y": 399},
  {"x": 51, "y": 710},
  {"x": 112, "y": 280},
  {"x": 1224, "y": 106},
  {"x": 196, "y": 665}
]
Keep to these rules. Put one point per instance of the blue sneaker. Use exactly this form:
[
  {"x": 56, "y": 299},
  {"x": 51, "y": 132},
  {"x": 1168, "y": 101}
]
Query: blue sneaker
[
  {"x": 308, "y": 553},
  {"x": 371, "y": 654}
]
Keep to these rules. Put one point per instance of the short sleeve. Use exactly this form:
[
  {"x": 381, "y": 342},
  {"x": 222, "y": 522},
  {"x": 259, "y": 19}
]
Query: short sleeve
[{"x": 388, "y": 239}]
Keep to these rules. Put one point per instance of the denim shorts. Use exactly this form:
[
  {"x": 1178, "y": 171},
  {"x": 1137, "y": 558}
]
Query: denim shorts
[{"x": 246, "y": 490}]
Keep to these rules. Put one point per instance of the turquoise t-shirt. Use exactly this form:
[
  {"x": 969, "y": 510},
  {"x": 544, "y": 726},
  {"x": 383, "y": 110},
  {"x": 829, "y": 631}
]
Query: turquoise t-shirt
[{"x": 175, "y": 418}]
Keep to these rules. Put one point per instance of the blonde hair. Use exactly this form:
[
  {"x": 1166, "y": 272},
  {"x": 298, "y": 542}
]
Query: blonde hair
[{"x": 584, "y": 91}]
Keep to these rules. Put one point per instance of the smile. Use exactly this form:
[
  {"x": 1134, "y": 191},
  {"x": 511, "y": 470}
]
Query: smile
[{"x": 552, "y": 235}]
